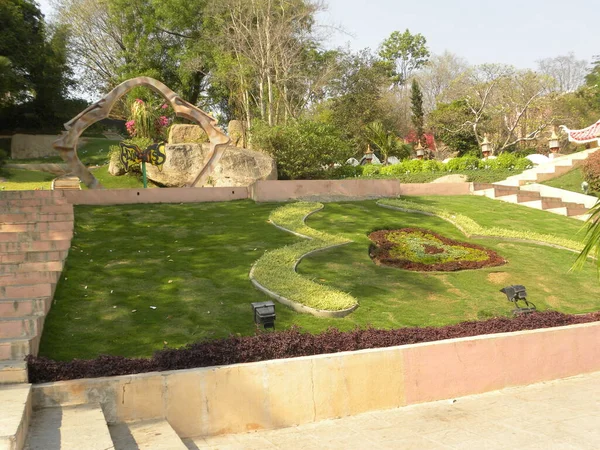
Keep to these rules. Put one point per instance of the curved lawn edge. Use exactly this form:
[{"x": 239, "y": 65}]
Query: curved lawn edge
[
  {"x": 275, "y": 272},
  {"x": 472, "y": 229}
]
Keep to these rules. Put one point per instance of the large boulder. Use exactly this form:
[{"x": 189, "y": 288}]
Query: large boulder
[
  {"x": 237, "y": 167},
  {"x": 115, "y": 167},
  {"x": 236, "y": 131},
  {"x": 187, "y": 134}
]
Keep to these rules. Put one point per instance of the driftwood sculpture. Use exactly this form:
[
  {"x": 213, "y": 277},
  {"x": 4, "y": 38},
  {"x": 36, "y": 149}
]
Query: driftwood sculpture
[{"x": 66, "y": 144}]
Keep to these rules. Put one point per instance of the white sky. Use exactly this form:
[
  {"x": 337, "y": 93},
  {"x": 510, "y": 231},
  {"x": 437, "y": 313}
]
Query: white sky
[{"x": 517, "y": 32}]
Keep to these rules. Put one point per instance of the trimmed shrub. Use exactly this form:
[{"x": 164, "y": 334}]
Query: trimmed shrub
[
  {"x": 303, "y": 149},
  {"x": 591, "y": 171}
]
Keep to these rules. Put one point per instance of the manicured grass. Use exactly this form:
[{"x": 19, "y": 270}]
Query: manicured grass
[
  {"x": 93, "y": 152},
  {"x": 570, "y": 181},
  {"x": 206, "y": 251},
  {"x": 127, "y": 181},
  {"x": 29, "y": 180}
]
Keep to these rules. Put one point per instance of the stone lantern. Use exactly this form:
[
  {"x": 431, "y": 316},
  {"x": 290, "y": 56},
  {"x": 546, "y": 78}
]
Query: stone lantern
[
  {"x": 486, "y": 147},
  {"x": 420, "y": 151},
  {"x": 553, "y": 143},
  {"x": 368, "y": 158}
]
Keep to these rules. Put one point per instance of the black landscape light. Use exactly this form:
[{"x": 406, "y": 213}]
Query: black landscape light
[
  {"x": 515, "y": 293},
  {"x": 264, "y": 314}
]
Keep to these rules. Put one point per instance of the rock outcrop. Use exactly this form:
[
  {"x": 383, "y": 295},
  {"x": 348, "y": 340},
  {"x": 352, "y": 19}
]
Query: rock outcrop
[
  {"x": 187, "y": 134},
  {"x": 237, "y": 167}
]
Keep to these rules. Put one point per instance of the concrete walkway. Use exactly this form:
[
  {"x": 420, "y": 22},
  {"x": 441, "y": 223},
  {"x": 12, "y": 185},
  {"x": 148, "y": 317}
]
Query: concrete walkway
[{"x": 563, "y": 414}]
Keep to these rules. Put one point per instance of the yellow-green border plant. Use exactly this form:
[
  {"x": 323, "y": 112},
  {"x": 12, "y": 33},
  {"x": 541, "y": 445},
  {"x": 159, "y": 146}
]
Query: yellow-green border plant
[{"x": 275, "y": 272}]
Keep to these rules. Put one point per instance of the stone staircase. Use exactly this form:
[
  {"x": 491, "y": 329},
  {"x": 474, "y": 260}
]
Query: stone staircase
[
  {"x": 523, "y": 189},
  {"x": 531, "y": 199},
  {"x": 74, "y": 427},
  {"x": 36, "y": 228},
  {"x": 552, "y": 169}
]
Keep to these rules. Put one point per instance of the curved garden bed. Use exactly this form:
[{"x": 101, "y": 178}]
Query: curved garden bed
[{"x": 423, "y": 250}]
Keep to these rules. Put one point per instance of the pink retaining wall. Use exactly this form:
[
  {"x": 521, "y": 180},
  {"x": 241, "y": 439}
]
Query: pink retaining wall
[
  {"x": 287, "y": 392},
  {"x": 171, "y": 195},
  {"x": 328, "y": 190}
]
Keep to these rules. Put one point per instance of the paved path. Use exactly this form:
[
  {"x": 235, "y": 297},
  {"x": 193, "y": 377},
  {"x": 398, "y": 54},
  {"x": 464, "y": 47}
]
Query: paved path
[{"x": 563, "y": 414}]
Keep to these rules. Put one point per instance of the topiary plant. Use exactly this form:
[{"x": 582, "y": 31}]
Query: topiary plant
[{"x": 591, "y": 171}]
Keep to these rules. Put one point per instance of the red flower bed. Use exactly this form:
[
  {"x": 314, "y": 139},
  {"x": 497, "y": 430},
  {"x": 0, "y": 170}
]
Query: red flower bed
[
  {"x": 381, "y": 254},
  {"x": 286, "y": 344}
]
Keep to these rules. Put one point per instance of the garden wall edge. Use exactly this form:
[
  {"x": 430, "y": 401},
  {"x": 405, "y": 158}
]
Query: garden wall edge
[{"x": 286, "y": 392}]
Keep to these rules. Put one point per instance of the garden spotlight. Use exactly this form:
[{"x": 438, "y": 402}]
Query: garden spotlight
[
  {"x": 264, "y": 314},
  {"x": 515, "y": 293}
]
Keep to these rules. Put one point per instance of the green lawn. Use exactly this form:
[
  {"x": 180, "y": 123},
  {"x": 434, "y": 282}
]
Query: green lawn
[
  {"x": 18, "y": 179},
  {"x": 93, "y": 152},
  {"x": 570, "y": 181},
  {"x": 192, "y": 262}
]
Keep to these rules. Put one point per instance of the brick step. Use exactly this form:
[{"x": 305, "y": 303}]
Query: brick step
[
  {"x": 33, "y": 256},
  {"x": 150, "y": 434},
  {"x": 81, "y": 427},
  {"x": 21, "y": 307},
  {"x": 14, "y": 371},
  {"x": 35, "y": 246},
  {"x": 26, "y": 291},
  {"x": 35, "y": 236},
  {"x": 576, "y": 210},
  {"x": 17, "y": 408},
  {"x": 12, "y": 204},
  {"x": 11, "y": 195},
  {"x": 48, "y": 266},
  {"x": 26, "y": 227},
  {"x": 483, "y": 186},
  {"x": 500, "y": 191},
  {"x": 35, "y": 217},
  {"x": 44, "y": 209},
  {"x": 13, "y": 279},
  {"x": 17, "y": 349},
  {"x": 21, "y": 327}
]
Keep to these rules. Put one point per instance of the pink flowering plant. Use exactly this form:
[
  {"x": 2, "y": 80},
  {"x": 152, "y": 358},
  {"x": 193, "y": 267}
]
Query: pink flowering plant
[{"x": 148, "y": 120}]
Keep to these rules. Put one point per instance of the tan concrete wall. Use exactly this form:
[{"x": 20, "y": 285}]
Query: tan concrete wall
[
  {"x": 281, "y": 393},
  {"x": 331, "y": 190},
  {"x": 171, "y": 195},
  {"x": 24, "y": 146}
]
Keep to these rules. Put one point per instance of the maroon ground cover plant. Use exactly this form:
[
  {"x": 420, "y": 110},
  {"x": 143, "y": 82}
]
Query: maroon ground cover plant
[{"x": 287, "y": 344}]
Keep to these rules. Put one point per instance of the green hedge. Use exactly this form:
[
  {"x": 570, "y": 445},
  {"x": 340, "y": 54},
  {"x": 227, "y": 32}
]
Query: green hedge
[{"x": 424, "y": 171}]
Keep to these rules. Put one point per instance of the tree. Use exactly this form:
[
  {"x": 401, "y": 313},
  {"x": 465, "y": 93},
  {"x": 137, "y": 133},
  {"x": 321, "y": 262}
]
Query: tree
[
  {"x": 268, "y": 47},
  {"x": 436, "y": 77},
  {"x": 592, "y": 83},
  {"x": 113, "y": 40},
  {"x": 451, "y": 124},
  {"x": 568, "y": 71},
  {"x": 404, "y": 53},
  {"x": 512, "y": 106},
  {"x": 356, "y": 96},
  {"x": 418, "y": 116},
  {"x": 36, "y": 75}
]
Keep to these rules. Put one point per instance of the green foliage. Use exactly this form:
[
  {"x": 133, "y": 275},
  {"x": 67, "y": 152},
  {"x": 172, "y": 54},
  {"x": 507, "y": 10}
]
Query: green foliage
[
  {"x": 303, "y": 149},
  {"x": 34, "y": 73},
  {"x": 418, "y": 114},
  {"x": 276, "y": 270},
  {"x": 356, "y": 97},
  {"x": 411, "y": 246},
  {"x": 405, "y": 53},
  {"x": 471, "y": 228},
  {"x": 592, "y": 239},
  {"x": 591, "y": 171},
  {"x": 385, "y": 141},
  {"x": 448, "y": 120},
  {"x": 345, "y": 171}
]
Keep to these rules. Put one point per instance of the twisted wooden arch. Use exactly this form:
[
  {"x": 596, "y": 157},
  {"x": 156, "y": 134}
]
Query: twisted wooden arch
[{"x": 66, "y": 144}]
